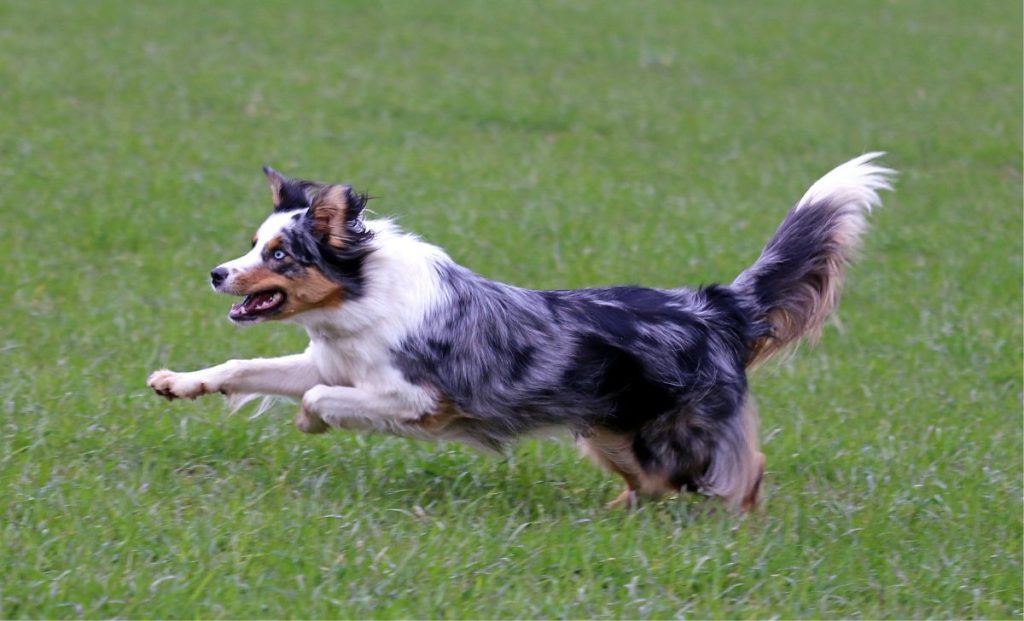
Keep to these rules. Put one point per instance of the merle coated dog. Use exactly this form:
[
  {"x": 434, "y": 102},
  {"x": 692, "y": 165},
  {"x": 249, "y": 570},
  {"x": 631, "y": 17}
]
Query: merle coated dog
[{"x": 651, "y": 382}]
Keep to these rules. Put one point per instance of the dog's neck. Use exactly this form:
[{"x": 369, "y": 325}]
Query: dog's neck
[{"x": 402, "y": 286}]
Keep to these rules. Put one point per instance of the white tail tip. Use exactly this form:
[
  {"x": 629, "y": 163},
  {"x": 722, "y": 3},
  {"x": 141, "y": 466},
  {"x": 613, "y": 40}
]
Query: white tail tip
[{"x": 856, "y": 182}]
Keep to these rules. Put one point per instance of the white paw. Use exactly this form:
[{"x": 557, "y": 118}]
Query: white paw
[
  {"x": 179, "y": 385},
  {"x": 313, "y": 399}
]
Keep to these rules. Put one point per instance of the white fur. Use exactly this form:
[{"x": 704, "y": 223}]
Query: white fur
[
  {"x": 345, "y": 376},
  {"x": 854, "y": 183},
  {"x": 351, "y": 345},
  {"x": 267, "y": 231},
  {"x": 288, "y": 376}
]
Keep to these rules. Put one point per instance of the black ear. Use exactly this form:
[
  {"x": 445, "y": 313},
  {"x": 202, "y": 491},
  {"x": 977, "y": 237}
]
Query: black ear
[
  {"x": 289, "y": 194},
  {"x": 356, "y": 203},
  {"x": 336, "y": 215}
]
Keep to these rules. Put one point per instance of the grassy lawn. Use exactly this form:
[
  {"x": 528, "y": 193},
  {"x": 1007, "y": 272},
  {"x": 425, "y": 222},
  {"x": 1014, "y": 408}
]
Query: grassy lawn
[{"x": 552, "y": 144}]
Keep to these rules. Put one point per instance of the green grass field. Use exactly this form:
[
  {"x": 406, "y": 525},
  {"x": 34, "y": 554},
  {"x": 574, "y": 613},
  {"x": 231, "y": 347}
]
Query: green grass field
[{"x": 551, "y": 144}]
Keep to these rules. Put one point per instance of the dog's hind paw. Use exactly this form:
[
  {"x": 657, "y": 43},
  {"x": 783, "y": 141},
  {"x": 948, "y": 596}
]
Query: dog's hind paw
[
  {"x": 171, "y": 385},
  {"x": 626, "y": 500}
]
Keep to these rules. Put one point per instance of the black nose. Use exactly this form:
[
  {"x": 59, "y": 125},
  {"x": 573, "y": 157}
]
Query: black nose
[{"x": 218, "y": 275}]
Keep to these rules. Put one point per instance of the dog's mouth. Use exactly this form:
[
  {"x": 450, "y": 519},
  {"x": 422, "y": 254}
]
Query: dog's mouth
[{"x": 257, "y": 306}]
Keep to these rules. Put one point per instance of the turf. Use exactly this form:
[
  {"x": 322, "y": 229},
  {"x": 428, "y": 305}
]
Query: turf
[{"x": 551, "y": 145}]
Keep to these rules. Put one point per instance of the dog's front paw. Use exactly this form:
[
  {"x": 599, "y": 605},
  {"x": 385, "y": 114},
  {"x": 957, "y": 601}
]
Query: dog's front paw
[
  {"x": 171, "y": 385},
  {"x": 307, "y": 420}
]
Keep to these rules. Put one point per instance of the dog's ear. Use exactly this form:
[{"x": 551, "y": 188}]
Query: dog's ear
[
  {"x": 288, "y": 194},
  {"x": 277, "y": 182},
  {"x": 336, "y": 215}
]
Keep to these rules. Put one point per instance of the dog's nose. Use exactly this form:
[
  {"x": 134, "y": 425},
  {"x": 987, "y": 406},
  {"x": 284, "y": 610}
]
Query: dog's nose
[{"x": 218, "y": 275}]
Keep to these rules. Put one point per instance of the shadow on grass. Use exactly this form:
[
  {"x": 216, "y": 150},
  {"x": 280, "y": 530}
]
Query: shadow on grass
[{"x": 393, "y": 474}]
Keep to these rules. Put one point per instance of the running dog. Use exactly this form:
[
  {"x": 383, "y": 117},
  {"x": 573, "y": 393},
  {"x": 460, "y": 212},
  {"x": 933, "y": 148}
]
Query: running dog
[{"x": 651, "y": 382}]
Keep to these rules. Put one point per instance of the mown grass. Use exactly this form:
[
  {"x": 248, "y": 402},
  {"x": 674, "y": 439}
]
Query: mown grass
[{"x": 550, "y": 145}]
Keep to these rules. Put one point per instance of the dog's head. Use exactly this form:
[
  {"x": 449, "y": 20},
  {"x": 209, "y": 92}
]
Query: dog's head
[{"x": 307, "y": 255}]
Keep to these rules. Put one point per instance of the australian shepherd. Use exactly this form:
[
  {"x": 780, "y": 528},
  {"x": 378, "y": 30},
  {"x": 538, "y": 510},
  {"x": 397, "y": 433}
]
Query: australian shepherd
[{"x": 652, "y": 383}]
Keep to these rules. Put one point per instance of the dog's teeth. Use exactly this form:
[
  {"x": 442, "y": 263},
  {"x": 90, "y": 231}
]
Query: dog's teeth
[
  {"x": 255, "y": 303},
  {"x": 267, "y": 301}
]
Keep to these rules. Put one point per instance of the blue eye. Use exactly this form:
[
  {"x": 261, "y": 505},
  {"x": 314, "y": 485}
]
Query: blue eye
[{"x": 279, "y": 255}]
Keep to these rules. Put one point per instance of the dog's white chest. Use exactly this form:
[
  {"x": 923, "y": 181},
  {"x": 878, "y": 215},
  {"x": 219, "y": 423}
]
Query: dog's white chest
[{"x": 349, "y": 362}]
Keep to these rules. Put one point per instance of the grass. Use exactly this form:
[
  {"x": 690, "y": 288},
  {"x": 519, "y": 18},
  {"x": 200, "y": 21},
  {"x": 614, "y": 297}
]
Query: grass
[{"x": 547, "y": 144}]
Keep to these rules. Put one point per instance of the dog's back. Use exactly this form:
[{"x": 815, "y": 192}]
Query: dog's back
[{"x": 652, "y": 382}]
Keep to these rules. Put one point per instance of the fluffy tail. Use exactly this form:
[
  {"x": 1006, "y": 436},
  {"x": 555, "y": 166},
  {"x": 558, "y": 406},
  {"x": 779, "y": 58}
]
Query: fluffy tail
[{"x": 795, "y": 284}]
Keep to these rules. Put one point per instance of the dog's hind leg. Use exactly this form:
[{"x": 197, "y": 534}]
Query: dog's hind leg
[
  {"x": 346, "y": 407},
  {"x": 736, "y": 467},
  {"x": 711, "y": 449},
  {"x": 753, "y": 496},
  {"x": 614, "y": 452}
]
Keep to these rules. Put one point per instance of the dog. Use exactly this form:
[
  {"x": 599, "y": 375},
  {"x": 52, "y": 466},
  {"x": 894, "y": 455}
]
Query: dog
[{"x": 652, "y": 383}]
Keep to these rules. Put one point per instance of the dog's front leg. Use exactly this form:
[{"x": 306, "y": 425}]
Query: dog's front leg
[
  {"x": 355, "y": 408},
  {"x": 287, "y": 376}
]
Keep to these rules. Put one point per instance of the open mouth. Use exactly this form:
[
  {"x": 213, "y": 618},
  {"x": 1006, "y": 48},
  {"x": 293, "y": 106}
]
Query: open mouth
[{"x": 257, "y": 305}]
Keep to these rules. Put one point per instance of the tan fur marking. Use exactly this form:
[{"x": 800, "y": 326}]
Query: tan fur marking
[
  {"x": 442, "y": 416},
  {"x": 312, "y": 290},
  {"x": 614, "y": 452},
  {"x": 626, "y": 499},
  {"x": 276, "y": 182},
  {"x": 273, "y": 245},
  {"x": 754, "y": 495},
  {"x": 307, "y": 291},
  {"x": 328, "y": 210},
  {"x": 739, "y": 483},
  {"x": 256, "y": 279},
  {"x": 755, "y": 469},
  {"x": 806, "y": 310}
]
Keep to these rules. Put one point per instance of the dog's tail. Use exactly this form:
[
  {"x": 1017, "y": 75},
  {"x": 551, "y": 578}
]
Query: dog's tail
[{"x": 794, "y": 285}]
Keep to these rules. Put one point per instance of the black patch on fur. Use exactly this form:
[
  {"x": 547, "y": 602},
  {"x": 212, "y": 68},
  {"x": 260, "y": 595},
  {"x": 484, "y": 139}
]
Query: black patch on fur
[
  {"x": 620, "y": 324},
  {"x": 439, "y": 348},
  {"x": 682, "y": 455},
  {"x": 287, "y": 268},
  {"x": 520, "y": 361},
  {"x": 796, "y": 255},
  {"x": 796, "y": 248},
  {"x": 553, "y": 301},
  {"x": 665, "y": 365},
  {"x": 733, "y": 320},
  {"x": 342, "y": 265},
  {"x": 355, "y": 203},
  {"x": 619, "y": 379},
  {"x": 296, "y": 194}
]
